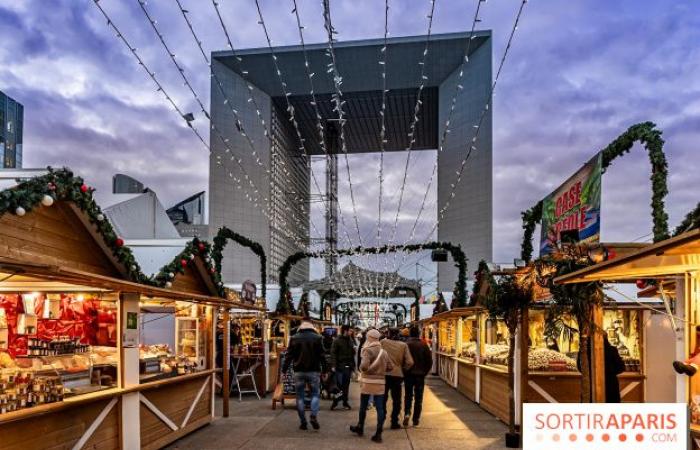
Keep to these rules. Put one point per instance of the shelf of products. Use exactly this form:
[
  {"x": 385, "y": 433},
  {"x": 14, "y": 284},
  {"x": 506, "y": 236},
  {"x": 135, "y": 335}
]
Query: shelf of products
[
  {"x": 554, "y": 343},
  {"x": 447, "y": 336},
  {"x": 55, "y": 346},
  {"x": 622, "y": 327},
  {"x": 494, "y": 338},
  {"x": 470, "y": 334},
  {"x": 190, "y": 337}
]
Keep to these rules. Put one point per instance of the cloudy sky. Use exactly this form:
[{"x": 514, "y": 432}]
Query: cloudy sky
[{"x": 579, "y": 73}]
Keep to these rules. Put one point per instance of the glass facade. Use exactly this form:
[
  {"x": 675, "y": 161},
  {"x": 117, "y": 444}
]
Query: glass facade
[{"x": 11, "y": 130}]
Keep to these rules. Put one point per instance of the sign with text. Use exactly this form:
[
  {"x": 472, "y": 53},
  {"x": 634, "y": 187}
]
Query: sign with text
[
  {"x": 573, "y": 207},
  {"x": 600, "y": 426}
]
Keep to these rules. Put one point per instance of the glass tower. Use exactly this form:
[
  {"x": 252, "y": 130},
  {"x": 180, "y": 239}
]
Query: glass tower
[{"x": 11, "y": 128}]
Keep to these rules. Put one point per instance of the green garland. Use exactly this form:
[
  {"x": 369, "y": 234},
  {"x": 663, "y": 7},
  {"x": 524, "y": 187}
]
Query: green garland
[
  {"x": 193, "y": 249},
  {"x": 650, "y": 137},
  {"x": 690, "y": 222},
  {"x": 456, "y": 251},
  {"x": 63, "y": 185},
  {"x": 220, "y": 241}
]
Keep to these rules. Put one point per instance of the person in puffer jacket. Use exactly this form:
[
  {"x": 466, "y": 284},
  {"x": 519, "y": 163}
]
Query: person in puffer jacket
[{"x": 375, "y": 364}]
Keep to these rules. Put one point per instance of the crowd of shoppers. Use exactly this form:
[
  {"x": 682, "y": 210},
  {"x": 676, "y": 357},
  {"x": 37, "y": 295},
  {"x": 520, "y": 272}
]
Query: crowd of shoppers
[{"x": 389, "y": 365}]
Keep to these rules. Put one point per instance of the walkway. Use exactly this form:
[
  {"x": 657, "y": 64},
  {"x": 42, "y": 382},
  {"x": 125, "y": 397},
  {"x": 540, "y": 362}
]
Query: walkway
[{"x": 449, "y": 421}]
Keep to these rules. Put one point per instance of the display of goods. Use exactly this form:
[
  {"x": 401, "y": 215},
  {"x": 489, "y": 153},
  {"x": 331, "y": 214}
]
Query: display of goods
[
  {"x": 550, "y": 360},
  {"x": 632, "y": 364},
  {"x": 496, "y": 354},
  {"x": 6, "y": 361},
  {"x": 23, "y": 389},
  {"x": 469, "y": 350}
]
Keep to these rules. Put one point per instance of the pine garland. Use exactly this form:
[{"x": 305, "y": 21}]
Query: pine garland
[
  {"x": 691, "y": 222},
  {"x": 456, "y": 251},
  {"x": 223, "y": 236},
  {"x": 63, "y": 185},
  {"x": 645, "y": 133}
]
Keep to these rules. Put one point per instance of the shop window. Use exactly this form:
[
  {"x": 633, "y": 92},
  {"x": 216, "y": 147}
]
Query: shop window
[
  {"x": 470, "y": 334},
  {"x": 54, "y": 346},
  {"x": 553, "y": 341},
  {"x": 494, "y": 348}
]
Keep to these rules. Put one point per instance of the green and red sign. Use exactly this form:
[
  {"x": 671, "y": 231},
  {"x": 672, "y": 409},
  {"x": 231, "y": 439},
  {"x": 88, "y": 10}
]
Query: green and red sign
[{"x": 574, "y": 206}]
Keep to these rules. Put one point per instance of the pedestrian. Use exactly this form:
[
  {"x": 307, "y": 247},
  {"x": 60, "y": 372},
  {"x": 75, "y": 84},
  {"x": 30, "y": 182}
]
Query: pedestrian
[
  {"x": 414, "y": 378},
  {"x": 306, "y": 354},
  {"x": 375, "y": 363},
  {"x": 401, "y": 361},
  {"x": 614, "y": 365},
  {"x": 343, "y": 363}
]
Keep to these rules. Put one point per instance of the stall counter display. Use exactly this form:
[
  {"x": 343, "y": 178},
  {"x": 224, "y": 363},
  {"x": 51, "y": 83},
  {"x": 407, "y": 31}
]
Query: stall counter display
[
  {"x": 159, "y": 361},
  {"x": 51, "y": 350},
  {"x": 447, "y": 336},
  {"x": 494, "y": 347},
  {"x": 470, "y": 333},
  {"x": 554, "y": 344}
]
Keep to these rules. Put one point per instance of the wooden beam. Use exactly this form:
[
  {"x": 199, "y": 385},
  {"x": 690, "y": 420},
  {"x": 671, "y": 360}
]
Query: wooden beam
[
  {"x": 598, "y": 356},
  {"x": 226, "y": 360}
]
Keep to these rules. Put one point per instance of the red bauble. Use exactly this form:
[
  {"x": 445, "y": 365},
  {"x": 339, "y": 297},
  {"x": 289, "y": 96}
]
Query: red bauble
[
  {"x": 183, "y": 262},
  {"x": 212, "y": 270},
  {"x": 612, "y": 254},
  {"x": 52, "y": 186},
  {"x": 201, "y": 247},
  {"x": 119, "y": 242},
  {"x": 641, "y": 284},
  {"x": 84, "y": 188}
]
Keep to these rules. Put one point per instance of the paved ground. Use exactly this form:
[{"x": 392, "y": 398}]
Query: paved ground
[{"x": 450, "y": 421}]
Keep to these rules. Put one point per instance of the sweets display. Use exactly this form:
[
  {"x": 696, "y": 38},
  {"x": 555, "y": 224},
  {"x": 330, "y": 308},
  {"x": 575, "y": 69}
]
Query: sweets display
[{"x": 550, "y": 360}]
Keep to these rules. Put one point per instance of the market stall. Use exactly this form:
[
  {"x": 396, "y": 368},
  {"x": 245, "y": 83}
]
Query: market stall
[
  {"x": 553, "y": 374},
  {"x": 674, "y": 265},
  {"x": 76, "y": 357}
]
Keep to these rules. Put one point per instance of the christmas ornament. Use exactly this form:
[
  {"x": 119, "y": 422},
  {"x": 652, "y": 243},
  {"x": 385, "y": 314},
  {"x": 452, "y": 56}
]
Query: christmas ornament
[
  {"x": 47, "y": 200},
  {"x": 183, "y": 262},
  {"x": 84, "y": 188},
  {"x": 191, "y": 256},
  {"x": 51, "y": 185},
  {"x": 171, "y": 275},
  {"x": 168, "y": 284},
  {"x": 20, "y": 211},
  {"x": 201, "y": 247},
  {"x": 100, "y": 217},
  {"x": 119, "y": 242},
  {"x": 212, "y": 270},
  {"x": 641, "y": 284}
]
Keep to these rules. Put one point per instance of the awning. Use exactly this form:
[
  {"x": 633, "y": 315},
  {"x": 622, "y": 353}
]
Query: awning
[{"x": 671, "y": 257}]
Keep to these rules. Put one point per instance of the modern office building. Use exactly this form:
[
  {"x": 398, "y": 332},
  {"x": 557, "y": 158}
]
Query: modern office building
[
  {"x": 11, "y": 129},
  {"x": 188, "y": 216},
  {"x": 281, "y": 178},
  {"x": 124, "y": 184}
]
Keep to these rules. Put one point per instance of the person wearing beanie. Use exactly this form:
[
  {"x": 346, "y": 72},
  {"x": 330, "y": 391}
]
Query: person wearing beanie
[
  {"x": 375, "y": 364},
  {"x": 305, "y": 353}
]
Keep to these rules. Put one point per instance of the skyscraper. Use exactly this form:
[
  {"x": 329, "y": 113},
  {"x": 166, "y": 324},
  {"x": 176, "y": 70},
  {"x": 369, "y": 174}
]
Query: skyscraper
[{"x": 11, "y": 128}]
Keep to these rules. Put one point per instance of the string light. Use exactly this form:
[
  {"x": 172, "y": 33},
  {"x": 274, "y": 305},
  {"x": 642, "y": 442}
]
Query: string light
[
  {"x": 186, "y": 117},
  {"x": 337, "y": 99}
]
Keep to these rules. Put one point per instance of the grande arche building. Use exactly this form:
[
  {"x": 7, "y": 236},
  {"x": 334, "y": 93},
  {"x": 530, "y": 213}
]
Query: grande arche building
[{"x": 469, "y": 218}]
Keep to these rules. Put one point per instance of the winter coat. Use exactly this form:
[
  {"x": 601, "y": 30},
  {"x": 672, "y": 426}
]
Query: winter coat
[
  {"x": 343, "y": 352},
  {"x": 374, "y": 367},
  {"x": 305, "y": 352},
  {"x": 401, "y": 359},
  {"x": 614, "y": 365},
  {"x": 422, "y": 357}
]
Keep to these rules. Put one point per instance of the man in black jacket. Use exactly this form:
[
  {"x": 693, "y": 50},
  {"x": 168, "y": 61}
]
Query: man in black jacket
[
  {"x": 306, "y": 354},
  {"x": 343, "y": 363},
  {"x": 414, "y": 378}
]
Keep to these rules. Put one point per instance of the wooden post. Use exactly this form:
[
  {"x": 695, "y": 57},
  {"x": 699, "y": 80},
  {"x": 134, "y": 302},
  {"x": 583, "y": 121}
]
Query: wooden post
[
  {"x": 598, "y": 356},
  {"x": 523, "y": 355},
  {"x": 226, "y": 361},
  {"x": 129, "y": 354}
]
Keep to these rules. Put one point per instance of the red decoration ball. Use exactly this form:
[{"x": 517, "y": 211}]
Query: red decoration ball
[
  {"x": 212, "y": 270},
  {"x": 183, "y": 262},
  {"x": 641, "y": 284},
  {"x": 84, "y": 188},
  {"x": 119, "y": 242},
  {"x": 201, "y": 247},
  {"x": 51, "y": 186}
]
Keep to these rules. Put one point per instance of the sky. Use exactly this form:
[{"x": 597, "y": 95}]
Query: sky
[{"x": 579, "y": 73}]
